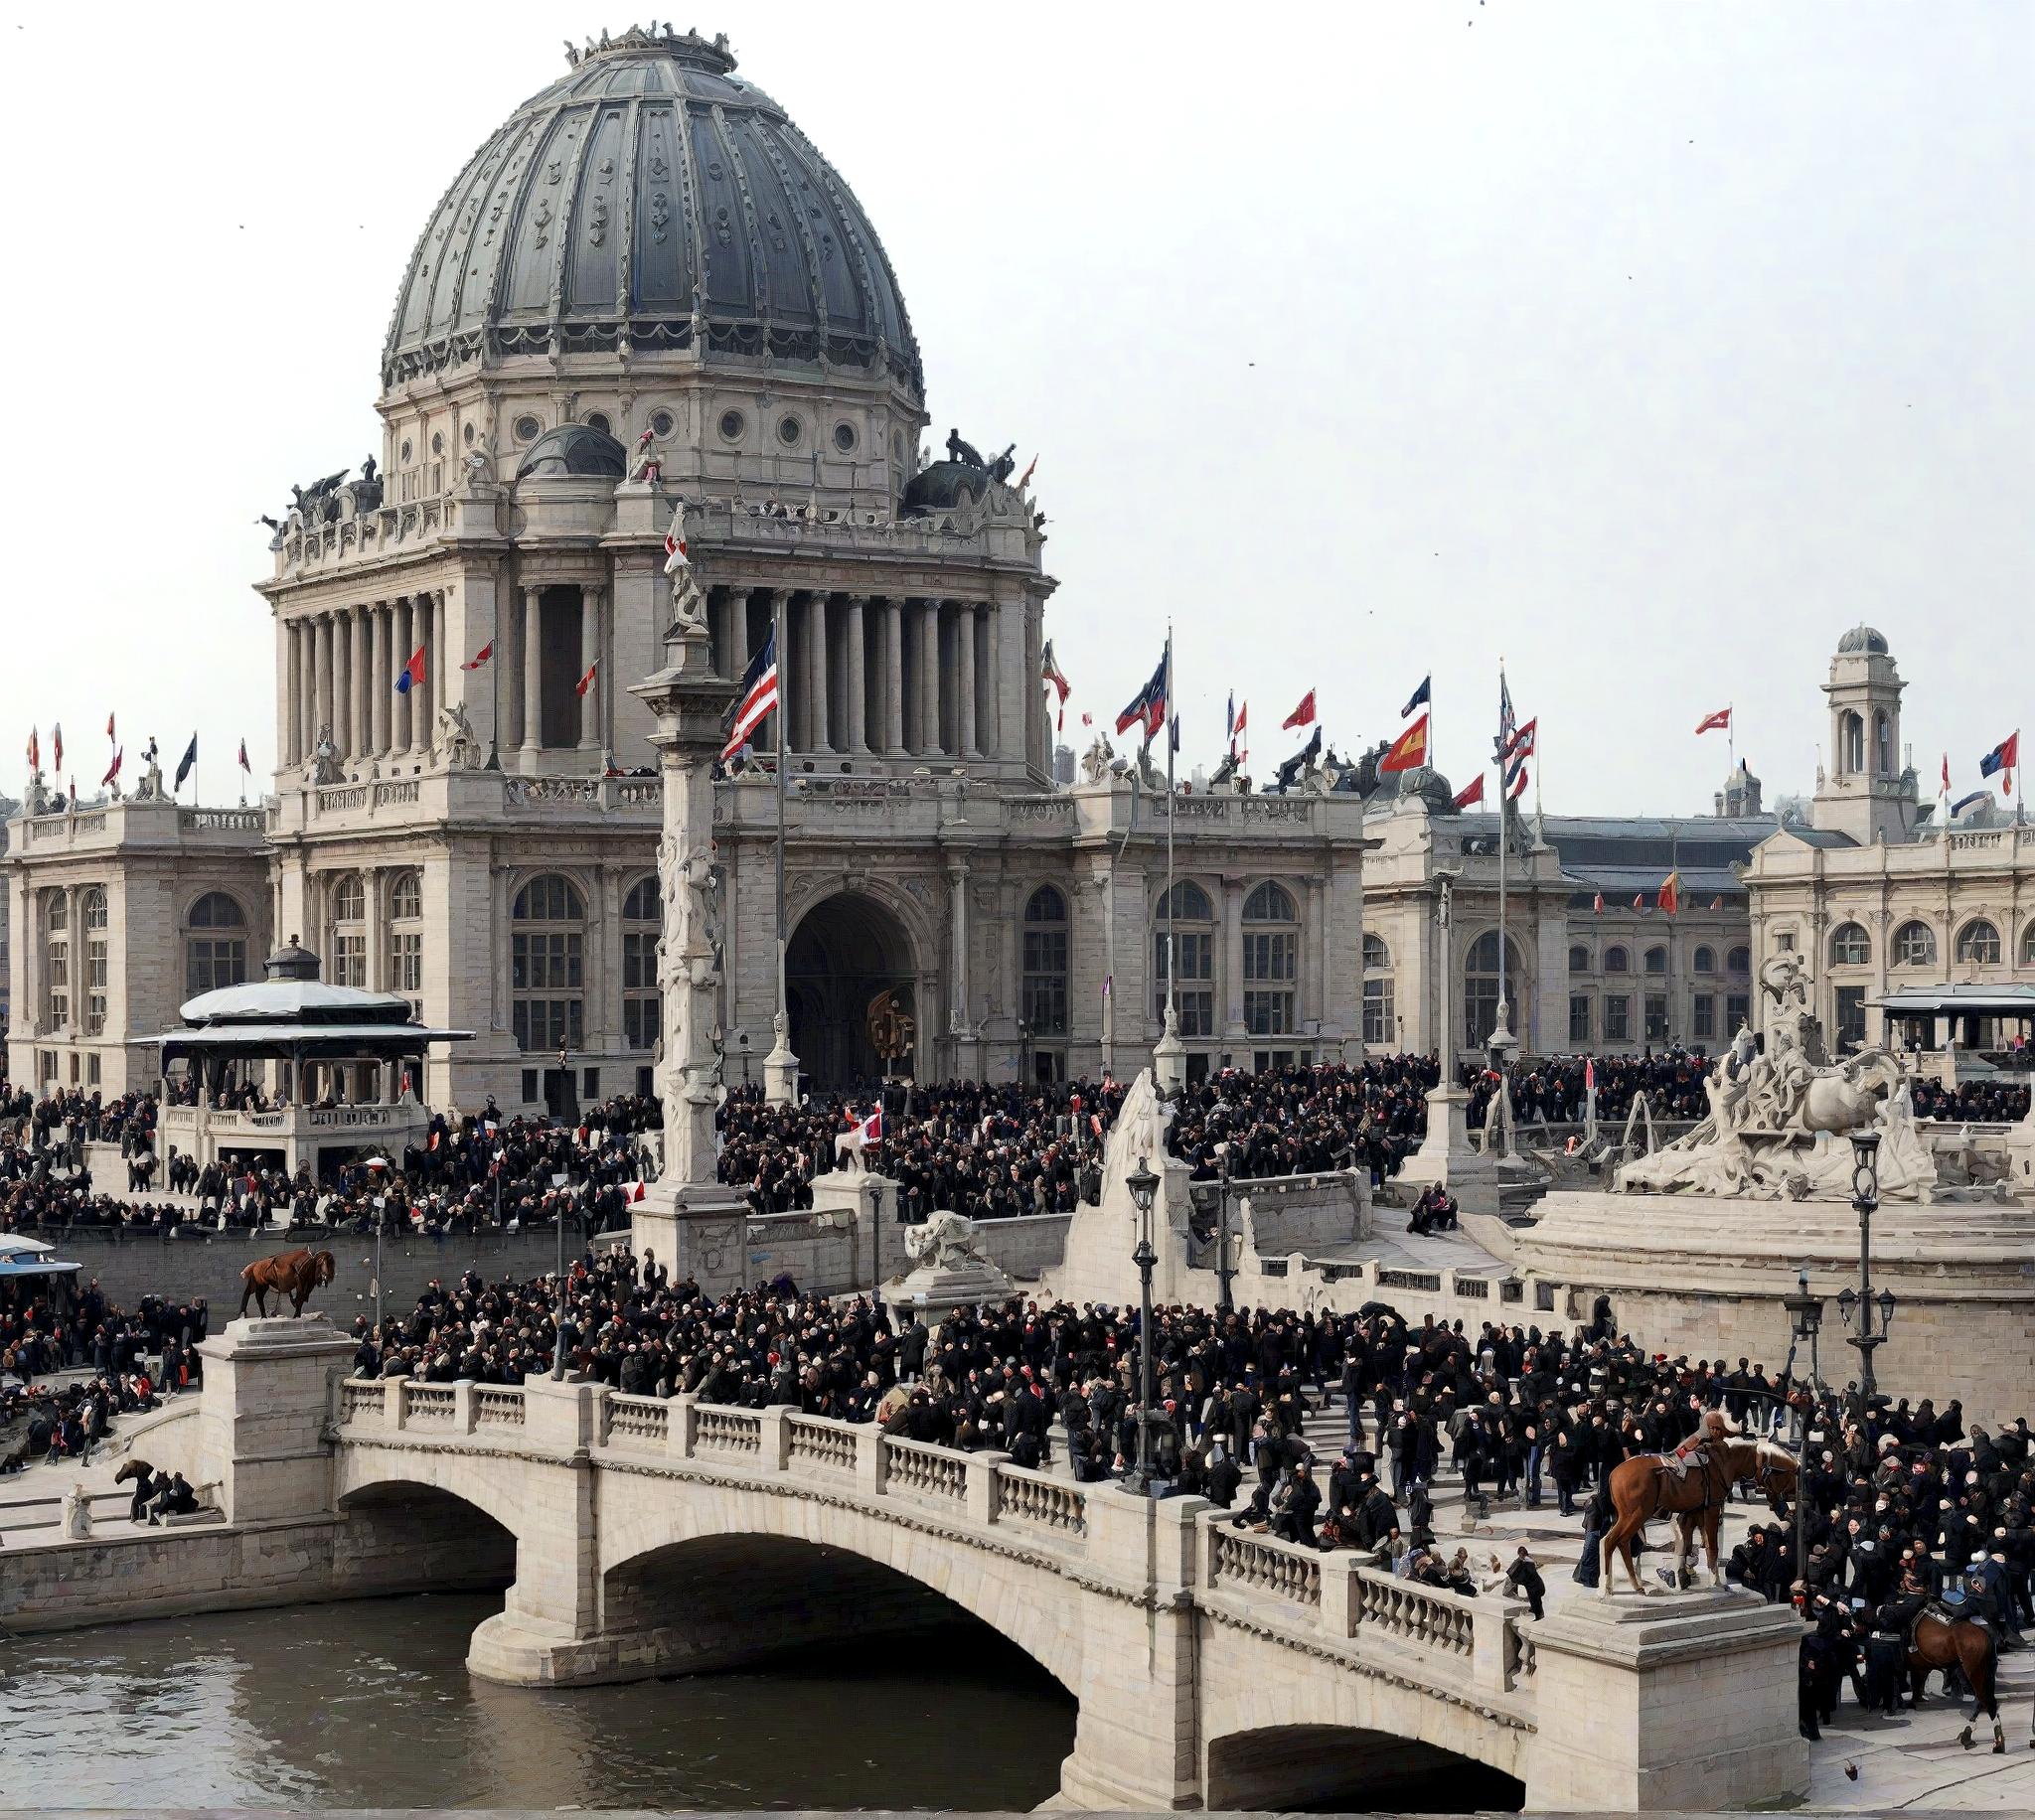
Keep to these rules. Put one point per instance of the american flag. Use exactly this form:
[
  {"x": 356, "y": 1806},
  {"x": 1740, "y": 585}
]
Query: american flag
[{"x": 758, "y": 697}]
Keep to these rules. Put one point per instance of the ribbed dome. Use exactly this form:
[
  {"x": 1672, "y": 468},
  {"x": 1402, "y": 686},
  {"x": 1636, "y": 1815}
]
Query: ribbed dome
[
  {"x": 574, "y": 449},
  {"x": 1862, "y": 638},
  {"x": 648, "y": 187}
]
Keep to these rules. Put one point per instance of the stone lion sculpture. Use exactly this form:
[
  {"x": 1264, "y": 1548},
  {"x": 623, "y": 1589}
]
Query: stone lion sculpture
[{"x": 943, "y": 1242}]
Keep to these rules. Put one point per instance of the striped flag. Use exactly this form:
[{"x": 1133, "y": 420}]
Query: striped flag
[
  {"x": 758, "y": 697},
  {"x": 480, "y": 657}
]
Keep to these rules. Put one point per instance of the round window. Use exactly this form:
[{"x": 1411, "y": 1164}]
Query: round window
[
  {"x": 788, "y": 430},
  {"x": 659, "y": 423},
  {"x": 527, "y": 430},
  {"x": 598, "y": 421},
  {"x": 732, "y": 425},
  {"x": 466, "y": 435},
  {"x": 406, "y": 451},
  {"x": 844, "y": 438},
  {"x": 438, "y": 443}
]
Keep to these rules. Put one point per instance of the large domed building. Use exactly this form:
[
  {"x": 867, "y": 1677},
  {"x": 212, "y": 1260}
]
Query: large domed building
[{"x": 648, "y": 302}]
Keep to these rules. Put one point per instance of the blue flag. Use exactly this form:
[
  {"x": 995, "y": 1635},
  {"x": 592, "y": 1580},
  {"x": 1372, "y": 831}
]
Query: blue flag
[
  {"x": 185, "y": 763},
  {"x": 1420, "y": 698}
]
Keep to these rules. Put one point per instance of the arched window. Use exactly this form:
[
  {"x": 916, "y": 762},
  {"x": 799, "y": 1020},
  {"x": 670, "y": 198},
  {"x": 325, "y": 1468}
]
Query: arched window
[
  {"x": 1380, "y": 1014},
  {"x": 1042, "y": 995},
  {"x": 1271, "y": 959},
  {"x": 1616, "y": 961},
  {"x": 94, "y": 919},
  {"x": 1579, "y": 959},
  {"x": 642, "y": 926},
  {"x": 1194, "y": 933},
  {"x": 348, "y": 945},
  {"x": 56, "y": 959},
  {"x": 1703, "y": 961},
  {"x": 1850, "y": 946},
  {"x": 406, "y": 933},
  {"x": 1850, "y": 744},
  {"x": 2028, "y": 946},
  {"x": 1656, "y": 959},
  {"x": 1915, "y": 944},
  {"x": 1481, "y": 986},
  {"x": 1882, "y": 743},
  {"x": 1739, "y": 960},
  {"x": 547, "y": 963},
  {"x": 1978, "y": 942},
  {"x": 215, "y": 944}
]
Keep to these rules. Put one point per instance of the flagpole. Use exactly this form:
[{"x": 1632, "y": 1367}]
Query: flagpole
[
  {"x": 1173, "y": 954},
  {"x": 1498, "y": 746},
  {"x": 777, "y": 714}
]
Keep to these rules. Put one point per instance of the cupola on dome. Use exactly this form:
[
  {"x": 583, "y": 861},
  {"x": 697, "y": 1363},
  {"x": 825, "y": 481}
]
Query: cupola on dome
[
  {"x": 650, "y": 200},
  {"x": 1864, "y": 638}
]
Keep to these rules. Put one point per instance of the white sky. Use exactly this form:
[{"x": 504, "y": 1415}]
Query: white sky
[{"x": 1649, "y": 344}]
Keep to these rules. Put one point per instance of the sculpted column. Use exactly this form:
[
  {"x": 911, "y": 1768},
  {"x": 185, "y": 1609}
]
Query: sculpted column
[
  {"x": 589, "y": 655},
  {"x": 894, "y": 677},
  {"x": 856, "y": 681},
  {"x": 929, "y": 677},
  {"x": 692, "y": 1223},
  {"x": 322, "y": 658},
  {"x": 342, "y": 685},
  {"x": 292, "y": 710},
  {"x": 820, "y": 716},
  {"x": 400, "y": 740},
  {"x": 964, "y": 680},
  {"x": 382, "y": 676},
  {"x": 532, "y": 653},
  {"x": 361, "y": 710}
]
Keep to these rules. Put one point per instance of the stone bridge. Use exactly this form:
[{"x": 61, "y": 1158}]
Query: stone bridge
[{"x": 1213, "y": 1667}]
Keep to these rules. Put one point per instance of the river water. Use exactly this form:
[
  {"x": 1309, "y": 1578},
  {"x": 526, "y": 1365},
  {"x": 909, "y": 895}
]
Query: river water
[{"x": 370, "y": 1705}]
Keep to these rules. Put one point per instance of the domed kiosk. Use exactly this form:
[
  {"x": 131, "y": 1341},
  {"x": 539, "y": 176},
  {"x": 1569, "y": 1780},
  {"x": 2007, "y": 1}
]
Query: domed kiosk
[{"x": 290, "y": 1070}]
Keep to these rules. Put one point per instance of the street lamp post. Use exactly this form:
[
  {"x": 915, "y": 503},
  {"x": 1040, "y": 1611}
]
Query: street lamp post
[
  {"x": 742, "y": 1043},
  {"x": 1865, "y": 1197},
  {"x": 1144, "y": 1188},
  {"x": 1223, "y": 1302},
  {"x": 1804, "y": 1322}
]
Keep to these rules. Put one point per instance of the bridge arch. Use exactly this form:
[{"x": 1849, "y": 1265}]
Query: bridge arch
[
  {"x": 414, "y": 1529},
  {"x": 1349, "y": 1768}
]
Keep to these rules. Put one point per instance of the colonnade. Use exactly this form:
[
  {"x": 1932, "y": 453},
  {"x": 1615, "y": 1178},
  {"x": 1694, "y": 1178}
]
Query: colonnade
[
  {"x": 873, "y": 676},
  {"x": 341, "y": 667}
]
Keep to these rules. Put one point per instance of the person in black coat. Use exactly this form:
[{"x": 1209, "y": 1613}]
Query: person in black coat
[
  {"x": 1295, "y": 1506},
  {"x": 1523, "y": 1581}
]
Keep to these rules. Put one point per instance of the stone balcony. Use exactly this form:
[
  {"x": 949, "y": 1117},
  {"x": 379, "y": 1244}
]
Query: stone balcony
[{"x": 130, "y": 824}]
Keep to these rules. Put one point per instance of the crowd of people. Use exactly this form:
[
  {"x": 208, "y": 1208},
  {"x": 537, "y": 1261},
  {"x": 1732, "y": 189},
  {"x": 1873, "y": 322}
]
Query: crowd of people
[{"x": 1972, "y": 1101}]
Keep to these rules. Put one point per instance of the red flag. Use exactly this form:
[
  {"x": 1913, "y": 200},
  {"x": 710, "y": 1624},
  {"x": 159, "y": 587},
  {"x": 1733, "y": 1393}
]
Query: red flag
[
  {"x": 1408, "y": 751},
  {"x": 434, "y": 1140},
  {"x": 244, "y": 765},
  {"x": 586, "y": 681},
  {"x": 1470, "y": 792},
  {"x": 480, "y": 657},
  {"x": 113, "y": 770},
  {"x": 57, "y": 746},
  {"x": 1711, "y": 723},
  {"x": 1670, "y": 893},
  {"x": 35, "y": 750},
  {"x": 638, "y": 1195},
  {"x": 1716, "y": 903},
  {"x": 1598, "y": 909},
  {"x": 1304, "y": 715},
  {"x": 110, "y": 726},
  {"x": 1025, "y": 478},
  {"x": 1590, "y": 1074},
  {"x": 1639, "y": 902}
]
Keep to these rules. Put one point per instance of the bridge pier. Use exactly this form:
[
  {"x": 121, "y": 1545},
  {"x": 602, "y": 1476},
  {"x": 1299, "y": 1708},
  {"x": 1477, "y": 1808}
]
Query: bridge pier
[{"x": 266, "y": 1397}]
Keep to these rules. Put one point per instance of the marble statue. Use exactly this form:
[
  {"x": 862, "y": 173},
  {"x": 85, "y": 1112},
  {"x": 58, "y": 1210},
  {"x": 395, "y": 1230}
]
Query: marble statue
[
  {"x": 1095, "y": 762},
  {"x": 77, "y": 1513},
  {"x": 150, "y": 789},
  {"x": 456, "y": 738},
  {"x": 1150, "y": 774},
  {"x": 945, "y": 1242},
  {"x": 648, "y": 465},
  {"x": 325, "y": 758},
  {"x": 689, "y": 599}
]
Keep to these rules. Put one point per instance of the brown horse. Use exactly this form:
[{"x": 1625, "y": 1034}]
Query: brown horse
[
  {"x": 294, "y": 1274},
  {"x": 1645, "y": 1486},
  {"x": 1941, "y": 1641}
]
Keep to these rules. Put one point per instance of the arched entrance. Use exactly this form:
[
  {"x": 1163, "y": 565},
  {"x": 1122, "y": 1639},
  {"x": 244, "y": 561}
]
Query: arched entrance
[{"x": 847, "y": 953}]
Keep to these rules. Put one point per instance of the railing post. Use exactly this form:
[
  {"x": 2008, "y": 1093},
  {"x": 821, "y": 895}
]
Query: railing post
[
  {"x": 683, "y": 1428},
  {"x": 1342, "y": 1587},
  {"x": 979, "y": 1490},
  {"x": 1490, "y": 1619},
  {"x": 462, "y": 1406},
  {"x": 774, "y": 1454},
  {"x": 598, "y": 1436},
  {"x": 870, "y": 1460},
  {"x": 397, "y": 1406}
]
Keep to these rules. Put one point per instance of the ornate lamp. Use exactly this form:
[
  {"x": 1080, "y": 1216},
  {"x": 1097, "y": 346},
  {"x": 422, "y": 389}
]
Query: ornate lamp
[{"x": 1144, "y": 1188}]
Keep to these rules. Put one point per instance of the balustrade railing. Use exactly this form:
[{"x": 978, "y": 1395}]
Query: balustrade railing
[
  {"x": 1399, "y": 1609},
  {"x": 427, "y": 1404},
  {"x": 925, "y": 1472},
  {"x": 361, "y": 1400},
  {"x": 816, "y": 1443},
  {"x": 1034, "y": 1500},
  {"x": 644, "y": 1418},
  {"x": 498, "y": 1405},
  {"x": 1255, "y": 1565},
  {"x": 724, "y": 1431}
]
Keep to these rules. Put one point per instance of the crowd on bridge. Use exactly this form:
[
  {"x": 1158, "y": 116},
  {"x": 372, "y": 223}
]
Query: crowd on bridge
[{"x": 1972, "y": 1101}]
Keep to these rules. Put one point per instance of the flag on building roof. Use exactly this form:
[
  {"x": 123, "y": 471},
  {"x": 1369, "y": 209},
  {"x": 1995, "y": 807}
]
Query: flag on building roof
[
  {"x": 2003, "y": 758},
  {"x": 1049, "y": 672},
  {"x": 113, "y": 770},
  {"x": 1639, "y": 902},
  {"x": 185, "y": 763},
  {"x": 57, "y": 746},
  {"x": 35, "y": 750},
  {"x": 1670, "y": 893},
  {"x": 1147, "y": 708},
  {"x": 1720, "y": 721},
  {"x": 1508, "y": 725},
  {"x": 1522, "y": 744},
  {"x": 1471, "y": 793},
  {"x": 411, "y": 675},
  {"x": 586, "y": 681},
  {"x": 1966, "y": 802},
  {"x": 1409, "y": 750},
  {"x": 244, "y": 765},
  {"x": 1302, "y": 716},
  {"x": 1025, "y": 478},
  {"x": 1423, "y": 696},
  {"x": 758, "y": 697},
  {"x": 1239, "y": 723},
  {"x": 1515, "y": 780},
  {"x": 1598, "y": 907},
  {"x": 110, "y": 726},
  {"x": 480, "y": 657}
]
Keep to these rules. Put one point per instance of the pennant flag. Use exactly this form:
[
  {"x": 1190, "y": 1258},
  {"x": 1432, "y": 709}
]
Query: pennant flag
[
  {"x": 185, "y": 763},
  {"x": 758, "y": 697},
  {"x": 1049, "y": 672},
  {"x": 641, "y": 1191},
  {"x": 35, "y": 750},
  {"x": 1716, "y": 903},
  {"x": 1471, "y": 793},
  {"x": 2003, "y": 758},
  {"x": 1423, "y": 696},
  {"x": 1711, "y": 723},
  {"x": 110, "y": 726},
  {"x": 1598, "y": 908},
  {"x": 113, "y": 770},
  {"x": 586, "y": 681},
  {"x": 244, "y": 765},
  {"x": 411, "y": 675},
  {"x": 1147, "y": 707},
  {"x": 1409, "y": 750},
  {"x": 57, "y": 746},
  {"x": 1670, "y": 895},
  {"x": 675, "y": 555},
  {"x": 1964, "y": 803},
  {"x": 1025, "y": 478},
  {"x": 480, "y": 657},
  {"x": 1301, "y": 717}
]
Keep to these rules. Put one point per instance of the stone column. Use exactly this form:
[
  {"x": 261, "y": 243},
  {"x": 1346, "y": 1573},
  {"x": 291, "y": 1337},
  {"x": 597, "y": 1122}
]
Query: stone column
[
  {"x": 381, "y": 682},
  {"x": 343, "y": 684},
  {"x": 589, "y": 655},
  {"x": 894, "y": 677},
  {"x": 322, "y": 661},
  {"x": 929, "y": 677},
  {"x": 738, "y": 652},
  {"x": 532, "y": 654},
  {"x": 688, "y": 700},
  {"x": 1233, "y": 1030},
  {"x": 291, "y": 730},
  {"x": 856, "y": 681},
  {"x": 360, "y": 670},
  {"x": 987, "y": 722},
  {"x": 821, "y": 714},
  {"x": 400, "y": 632},
  {"x": 423, "y": 722},
  {"x": 964, "y": 680},
  {"x": 959, "y": 1020}
]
